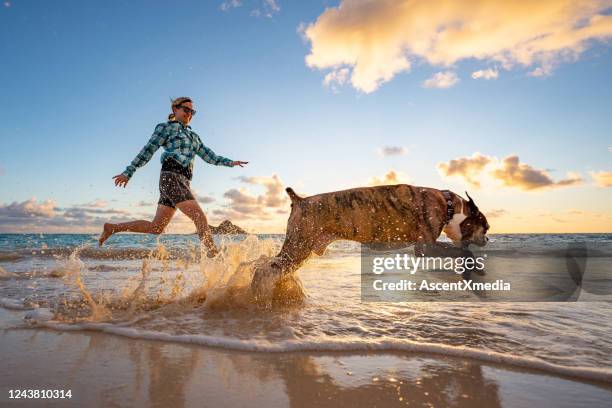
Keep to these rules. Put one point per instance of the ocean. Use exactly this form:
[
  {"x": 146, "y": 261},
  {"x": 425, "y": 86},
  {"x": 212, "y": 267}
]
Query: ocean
[{"x": 160, "y": 288}]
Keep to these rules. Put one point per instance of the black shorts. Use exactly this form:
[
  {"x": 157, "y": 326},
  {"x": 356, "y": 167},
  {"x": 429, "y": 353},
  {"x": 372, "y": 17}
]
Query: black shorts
[{"x": 173, "y": 189}]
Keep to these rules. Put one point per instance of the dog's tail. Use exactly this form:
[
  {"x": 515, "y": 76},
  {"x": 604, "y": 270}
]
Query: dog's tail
[{"x": 294, "y": 197}]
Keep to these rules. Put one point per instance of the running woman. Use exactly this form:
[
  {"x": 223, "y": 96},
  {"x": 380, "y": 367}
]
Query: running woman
[{"x": 181, "y": 145}]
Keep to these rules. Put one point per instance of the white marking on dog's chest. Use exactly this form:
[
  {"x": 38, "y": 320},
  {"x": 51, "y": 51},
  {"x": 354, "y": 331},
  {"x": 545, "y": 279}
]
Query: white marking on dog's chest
[{"x": 453, "y": 229}]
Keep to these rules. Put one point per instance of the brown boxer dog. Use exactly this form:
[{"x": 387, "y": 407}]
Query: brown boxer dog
[{"x": 394, "y": 214}]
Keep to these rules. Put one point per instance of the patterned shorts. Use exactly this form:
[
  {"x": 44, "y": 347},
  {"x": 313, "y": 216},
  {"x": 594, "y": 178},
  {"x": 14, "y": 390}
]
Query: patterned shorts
[{"x": 173, "y": 189}]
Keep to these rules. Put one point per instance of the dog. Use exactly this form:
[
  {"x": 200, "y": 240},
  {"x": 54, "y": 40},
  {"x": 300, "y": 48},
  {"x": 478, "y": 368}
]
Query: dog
[{"x": 390, "y": 214}]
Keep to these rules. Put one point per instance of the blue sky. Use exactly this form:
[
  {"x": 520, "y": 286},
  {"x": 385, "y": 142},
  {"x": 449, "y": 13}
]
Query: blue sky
[{"x": 85, "y": 83}]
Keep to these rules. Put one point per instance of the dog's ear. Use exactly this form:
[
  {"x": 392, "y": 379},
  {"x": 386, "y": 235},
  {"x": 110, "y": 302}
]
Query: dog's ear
[
  {"x": 472, "y": 205},
  {"x": 294, "y": 197}
]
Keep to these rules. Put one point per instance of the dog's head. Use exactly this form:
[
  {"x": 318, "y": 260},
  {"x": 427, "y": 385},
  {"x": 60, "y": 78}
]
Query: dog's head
[{"x": 475, "y": 226}]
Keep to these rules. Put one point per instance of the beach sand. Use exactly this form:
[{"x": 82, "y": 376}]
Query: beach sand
[{"x": 104, "y": 370}]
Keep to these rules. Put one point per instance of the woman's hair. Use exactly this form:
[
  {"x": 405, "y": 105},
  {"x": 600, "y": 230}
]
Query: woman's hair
[{"x": 177, "y": 102}]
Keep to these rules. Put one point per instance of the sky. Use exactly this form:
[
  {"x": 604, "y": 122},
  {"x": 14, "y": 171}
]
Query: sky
[{"x": 510, "y": 101}]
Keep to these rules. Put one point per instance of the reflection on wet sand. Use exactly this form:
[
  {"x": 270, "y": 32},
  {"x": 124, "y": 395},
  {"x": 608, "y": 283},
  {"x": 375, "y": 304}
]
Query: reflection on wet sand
[{"x": 104, "y": 370}]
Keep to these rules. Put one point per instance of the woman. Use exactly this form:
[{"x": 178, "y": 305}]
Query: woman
[{"x": 181, "y": 145}]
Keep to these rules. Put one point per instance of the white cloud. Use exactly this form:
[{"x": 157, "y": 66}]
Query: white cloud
[
  {"x": 272, "y": 5},
  {"x": 489, "y": 73},
  {"x": 261, "y": 8},
  {"x": 230, "y": 4},
  {"x": 267, "y": 9},
  {"x": 540, "y": 72},
  {"x": 377, "y": 40},
  {"x": 441, "y": 80},
  {"x": 336, "y": 78}
]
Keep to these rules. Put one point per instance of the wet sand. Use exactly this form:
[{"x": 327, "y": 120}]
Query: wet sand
[{"x": 104, "y": 370}]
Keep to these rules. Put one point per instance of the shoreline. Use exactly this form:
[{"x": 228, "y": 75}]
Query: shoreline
[{"x": 107, "y": 370}]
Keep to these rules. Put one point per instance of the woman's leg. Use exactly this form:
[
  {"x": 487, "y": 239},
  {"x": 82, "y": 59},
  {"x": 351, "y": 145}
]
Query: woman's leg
[
  {"x": 162, "y": 218},
  {"x": 192, "y": 209}
]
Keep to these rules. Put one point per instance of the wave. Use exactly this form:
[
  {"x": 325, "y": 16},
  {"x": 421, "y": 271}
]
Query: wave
[
  {"x": 338, "y": 248},
  {"x": 387, "y": 345},
  {"x": 103, "y": 253},
  {"x": 4, "y": 275},
  {"x": 10, "y": 256},
  {"x": 13, "y": 304}
]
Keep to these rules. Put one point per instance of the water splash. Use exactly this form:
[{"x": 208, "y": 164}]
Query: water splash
[
  {"x": 165, "y": 282},
  {"x": 71, "y": 272},
  {"x": 228, "y": 278}
]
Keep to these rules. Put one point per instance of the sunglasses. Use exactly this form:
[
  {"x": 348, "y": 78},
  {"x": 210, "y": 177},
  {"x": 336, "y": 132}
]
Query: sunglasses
[{"x": 187, "y": 110}]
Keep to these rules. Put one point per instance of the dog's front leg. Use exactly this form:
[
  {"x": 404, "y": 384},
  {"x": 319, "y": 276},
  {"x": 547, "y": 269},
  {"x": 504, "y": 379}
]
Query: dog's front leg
[{"x": 293, "y": 254}]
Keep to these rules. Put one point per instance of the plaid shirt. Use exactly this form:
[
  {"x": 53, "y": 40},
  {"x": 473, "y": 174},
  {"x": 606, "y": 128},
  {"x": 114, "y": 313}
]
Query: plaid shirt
[{"x": 179, "y": 142}]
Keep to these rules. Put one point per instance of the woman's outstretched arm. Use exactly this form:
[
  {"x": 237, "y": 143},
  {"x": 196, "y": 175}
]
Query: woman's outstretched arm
[{"x": 210, "y": 157}]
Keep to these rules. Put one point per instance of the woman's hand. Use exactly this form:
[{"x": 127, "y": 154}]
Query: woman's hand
[
  {"x": 238, "y": 163},
  {"x": 121, "y": 180}
]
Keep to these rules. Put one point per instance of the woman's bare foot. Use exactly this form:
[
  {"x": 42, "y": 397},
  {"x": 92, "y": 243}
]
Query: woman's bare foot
[
  {"x": 108, "y": 231},
  {"x": 211, "y": 250}
]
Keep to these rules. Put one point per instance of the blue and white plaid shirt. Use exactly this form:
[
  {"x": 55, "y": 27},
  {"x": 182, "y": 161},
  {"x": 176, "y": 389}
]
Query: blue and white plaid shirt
[{"x": 180, "y": 143}]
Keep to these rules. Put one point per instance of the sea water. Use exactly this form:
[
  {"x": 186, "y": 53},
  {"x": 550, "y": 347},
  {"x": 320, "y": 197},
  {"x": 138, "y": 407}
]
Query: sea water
[{"x": 162, "y": 288}]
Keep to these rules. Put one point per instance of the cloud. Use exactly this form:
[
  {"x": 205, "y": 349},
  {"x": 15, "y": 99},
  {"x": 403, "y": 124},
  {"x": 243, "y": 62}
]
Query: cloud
[
  {"x": 610, "y": 149},
  {"x": 512, "y": 173},
  {"x": 336, "y": 78},
  {"x": 509, "y": 171},
  {"x": 468, "y": 168},
  {"x": 240, "y": 197},
  {"x": 267, "y": 9},
  {"x": 272, "y": 6},
  {"x": 441, "y": 80},
  {"x": 33, "y": 215},
  {"x": 230, "y": 4},
  {"x": 540, "y": 72},
  {"x": 377, "y": 40},
  {"x": 261, "y": 8},
  {"x": 486, "y": 74},
  {"x": 84, "y": 212},
  {"x": 275, "y": 193},
  {"x": 96, "y": 204},
  {"x": 29, "y": 209},
  {"x": 392, "y": 151},
  {"x": 583, "y": 213},
  {"x": 602, "y": 178},
  {"x": 390, "y": 177},
  {"x": 496, "y": 213},
  {"x": 204, "y": 199},
  {"x": 244, "y": 205}
]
